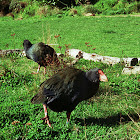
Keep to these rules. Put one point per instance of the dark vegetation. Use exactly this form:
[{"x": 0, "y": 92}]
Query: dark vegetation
[{"x": 70, "y": 7}]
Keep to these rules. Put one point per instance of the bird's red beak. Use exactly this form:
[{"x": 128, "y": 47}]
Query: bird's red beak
[{"x": 102, "y": 76}]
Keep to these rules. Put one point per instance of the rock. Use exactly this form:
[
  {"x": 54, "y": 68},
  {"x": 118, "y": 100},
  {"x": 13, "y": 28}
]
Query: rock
[
  {"x": 131, "y": 70},
  {"x": 89, "y": 14}
]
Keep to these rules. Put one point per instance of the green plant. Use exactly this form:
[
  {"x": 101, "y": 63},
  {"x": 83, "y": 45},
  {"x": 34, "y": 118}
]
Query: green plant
[
  {"x": 18, "y": 6},
  {"x": 90, "y": 9},
  {"x": 30, "y": 9},
  {"x": 116, "y": 7}
]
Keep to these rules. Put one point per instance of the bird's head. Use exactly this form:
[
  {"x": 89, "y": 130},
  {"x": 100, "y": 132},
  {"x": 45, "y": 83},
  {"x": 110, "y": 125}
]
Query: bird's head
[
  {"x": 27, "y": 44},
  {"x": 96, "y": 75}
]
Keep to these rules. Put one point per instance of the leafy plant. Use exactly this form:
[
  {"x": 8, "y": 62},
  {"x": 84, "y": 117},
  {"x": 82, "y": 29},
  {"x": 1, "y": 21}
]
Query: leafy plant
[
  {"x": 31, "y": 9},
  {"x": 112, "y": 7}
]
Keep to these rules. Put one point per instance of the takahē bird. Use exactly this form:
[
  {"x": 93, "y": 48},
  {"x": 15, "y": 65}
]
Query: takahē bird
[
  {"x": 65, "y": 89},
  {"x": 42, "y": 54}
]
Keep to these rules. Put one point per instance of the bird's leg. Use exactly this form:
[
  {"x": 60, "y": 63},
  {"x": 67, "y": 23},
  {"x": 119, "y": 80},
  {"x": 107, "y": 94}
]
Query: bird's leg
[
  {"x": 38, "y": 69},
  {"x": 44, "y": 70},
  {"x": 46, "y": 118},
  {"x": 68, "y": 117}
]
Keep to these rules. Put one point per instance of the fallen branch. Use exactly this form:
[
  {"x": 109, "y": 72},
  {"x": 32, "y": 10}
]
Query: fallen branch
[
  {"x": 77, "y": 54},
  {"x": 7, "y": 52},
  {"x": 98, "y": 58},
  {"x": 129, "y": 63}
]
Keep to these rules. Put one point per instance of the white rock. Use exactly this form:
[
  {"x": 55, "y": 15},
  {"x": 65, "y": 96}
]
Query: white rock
[{"x": 131, "y": 70}]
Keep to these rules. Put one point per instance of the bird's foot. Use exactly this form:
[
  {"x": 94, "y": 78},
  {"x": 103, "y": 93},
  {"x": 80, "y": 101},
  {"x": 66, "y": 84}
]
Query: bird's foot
[
  {"x": 68, "y": 117},
  {"x": 67, "y": 123},
  {"x": 47, "y": 121},
  {"x": 44, "y": 71}
]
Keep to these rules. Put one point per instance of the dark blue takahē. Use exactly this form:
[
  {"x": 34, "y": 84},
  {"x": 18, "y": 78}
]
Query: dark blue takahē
[
  {"x": 42, "y": 54},
  {"x": 67, "y": 88}
]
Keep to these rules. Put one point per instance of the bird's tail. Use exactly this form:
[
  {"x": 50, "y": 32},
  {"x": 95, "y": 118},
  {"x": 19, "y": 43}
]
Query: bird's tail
[{"x": 56, "y": 60}]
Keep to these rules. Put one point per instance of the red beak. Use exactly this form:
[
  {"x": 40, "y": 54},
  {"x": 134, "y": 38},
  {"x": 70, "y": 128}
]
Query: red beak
[{"x": 102, "y": 76}]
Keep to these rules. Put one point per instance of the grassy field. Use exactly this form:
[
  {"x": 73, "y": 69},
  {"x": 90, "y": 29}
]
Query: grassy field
[
  {"x": 116, "y": 36},
  {"x": 114, "y": 113}
]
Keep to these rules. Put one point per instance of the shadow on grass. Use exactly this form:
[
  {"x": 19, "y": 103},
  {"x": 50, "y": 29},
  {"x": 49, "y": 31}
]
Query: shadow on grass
[
  {"x": 109, "y": 121},
  {"x": 53, "y": 133}
]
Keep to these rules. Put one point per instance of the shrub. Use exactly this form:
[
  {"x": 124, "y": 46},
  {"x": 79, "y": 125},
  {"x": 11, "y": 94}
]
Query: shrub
[
  {"x": 44, "y": 10},
  {"x": 117, "y": 7},
  {"x": 37, "y": 9},
  {"x": 103, "y": 6},
  {"x": 133, "y": 7},
  {"x": 31, "y": 9},
  {"x": 90, "y": 9},
  {"x": 72, "y": 12},
  {"x": 4, "y": 6},
  {"x": 17, "y": 5}
]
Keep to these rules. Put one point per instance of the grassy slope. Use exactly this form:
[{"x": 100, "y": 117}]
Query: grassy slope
[
  {"x": 102, "y": 117},
  {"x": 117, "y": 36}
]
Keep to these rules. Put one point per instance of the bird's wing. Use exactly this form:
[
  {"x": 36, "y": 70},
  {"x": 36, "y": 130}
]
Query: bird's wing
[
  {"x": 63, "y": 84},
  {"x": 60, "y": 84},
  {"x": 43, "y": 53}
]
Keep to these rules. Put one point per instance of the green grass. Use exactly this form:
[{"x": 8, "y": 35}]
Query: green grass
[
  {"x": 116, "y": 36},
  {"x": 112, "y": 114}
]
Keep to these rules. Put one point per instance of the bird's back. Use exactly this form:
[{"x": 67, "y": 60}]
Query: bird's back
[
  {"x": 40, "y": 52},
  {"x": 65, "y": 90}
]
